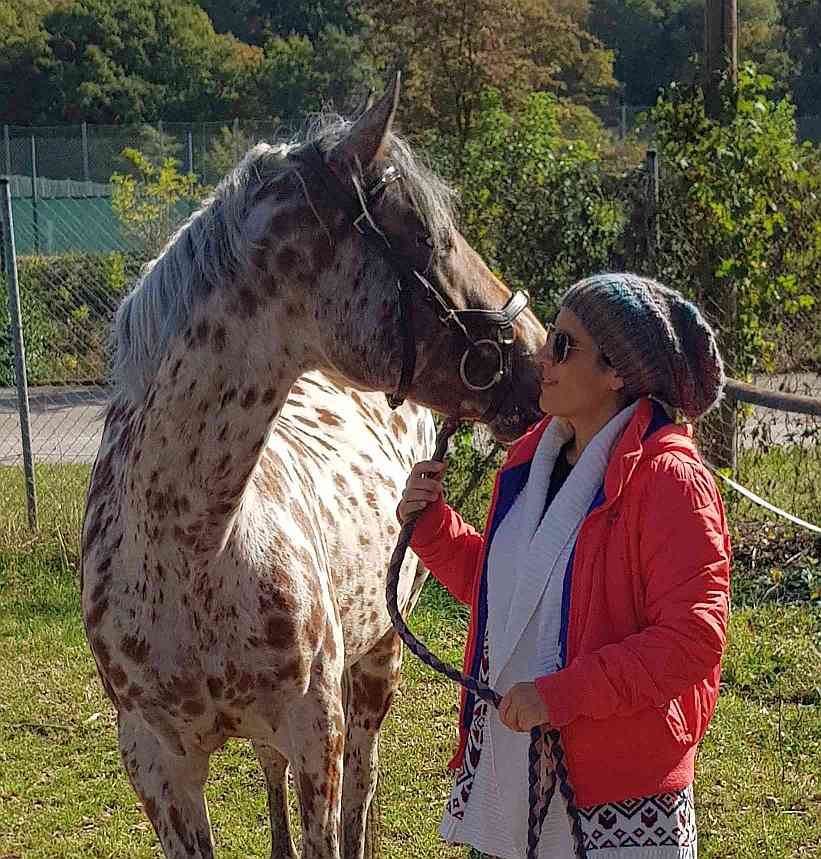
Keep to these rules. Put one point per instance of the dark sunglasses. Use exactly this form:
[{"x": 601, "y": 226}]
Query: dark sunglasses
[{"x": 563, "y": 344}]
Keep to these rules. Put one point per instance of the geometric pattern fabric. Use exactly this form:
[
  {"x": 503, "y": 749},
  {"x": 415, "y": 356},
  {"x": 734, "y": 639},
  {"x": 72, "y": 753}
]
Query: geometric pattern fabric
[
  {"x": 656, "y": 827},
  {"x": 665, "y": 820}
]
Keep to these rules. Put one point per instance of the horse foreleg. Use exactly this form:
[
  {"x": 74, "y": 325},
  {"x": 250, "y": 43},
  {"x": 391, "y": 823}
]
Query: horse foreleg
[
  {"x": 275, "y": 768},
  {"x": 170, "y": 784},
  {"x": 316, "y": 727},
  {"x": 373, "y": 682}
]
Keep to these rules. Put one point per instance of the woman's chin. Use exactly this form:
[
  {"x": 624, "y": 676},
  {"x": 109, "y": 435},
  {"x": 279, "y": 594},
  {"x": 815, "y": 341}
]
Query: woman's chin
[{"x": 547, "y": 402}]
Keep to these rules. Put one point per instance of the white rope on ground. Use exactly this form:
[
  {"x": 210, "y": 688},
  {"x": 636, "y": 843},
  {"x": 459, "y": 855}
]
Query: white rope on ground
[{"x": 757, "y": 499}]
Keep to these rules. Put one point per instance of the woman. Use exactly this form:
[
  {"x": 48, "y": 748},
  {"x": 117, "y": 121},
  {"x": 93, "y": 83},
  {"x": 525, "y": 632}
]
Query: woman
[{"x": 600, "y": 587}]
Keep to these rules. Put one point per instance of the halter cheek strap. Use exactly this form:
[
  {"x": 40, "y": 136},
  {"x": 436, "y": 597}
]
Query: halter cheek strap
[{"x": 358, "y": 212}]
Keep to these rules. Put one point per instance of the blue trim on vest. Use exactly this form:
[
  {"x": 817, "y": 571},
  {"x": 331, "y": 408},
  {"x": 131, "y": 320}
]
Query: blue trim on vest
[
  {"x": 658, "y": 420},
  {"x": 511, "y": 483},
  {"x": 568, "y": 575}
]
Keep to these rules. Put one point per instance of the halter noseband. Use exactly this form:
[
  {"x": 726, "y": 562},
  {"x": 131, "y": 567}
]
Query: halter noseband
[{"x": 356, "y": 208}]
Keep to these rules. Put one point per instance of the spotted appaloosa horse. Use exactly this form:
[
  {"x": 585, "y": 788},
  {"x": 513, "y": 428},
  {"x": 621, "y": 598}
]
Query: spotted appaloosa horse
[{"x": 233, "y": 548}]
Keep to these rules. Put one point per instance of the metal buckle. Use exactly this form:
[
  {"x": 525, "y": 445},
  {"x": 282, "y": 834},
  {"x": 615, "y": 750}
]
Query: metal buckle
[
  {"x": 497, "y": 376},
  {"x": 506, "y": 336},
  {"x": 390, "y": 175}
]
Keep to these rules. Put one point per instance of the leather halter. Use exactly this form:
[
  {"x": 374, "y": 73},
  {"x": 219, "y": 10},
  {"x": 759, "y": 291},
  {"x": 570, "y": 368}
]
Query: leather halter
[{"x": 358, "y": 212}]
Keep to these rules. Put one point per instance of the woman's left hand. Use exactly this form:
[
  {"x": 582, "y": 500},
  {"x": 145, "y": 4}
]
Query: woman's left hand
[{"x": 523, "y": 708}]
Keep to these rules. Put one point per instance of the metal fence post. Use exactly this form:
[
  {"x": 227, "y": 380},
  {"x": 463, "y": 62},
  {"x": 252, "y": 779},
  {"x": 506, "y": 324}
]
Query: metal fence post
[
  {"x": 15, "y": 320},
  {"x": 84, "y": 134},
  {"x": 7, "y": 149},
  {"x": 35, "y": 223}
]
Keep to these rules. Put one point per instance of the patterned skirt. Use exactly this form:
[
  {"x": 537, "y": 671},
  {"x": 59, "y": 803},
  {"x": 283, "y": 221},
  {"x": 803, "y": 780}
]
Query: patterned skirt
[
  {"x": 662, "y": 826},
  {"x": 654, "y": 827}
]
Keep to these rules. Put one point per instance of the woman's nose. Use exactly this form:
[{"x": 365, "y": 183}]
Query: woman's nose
[{"x": 543, "y": 355}]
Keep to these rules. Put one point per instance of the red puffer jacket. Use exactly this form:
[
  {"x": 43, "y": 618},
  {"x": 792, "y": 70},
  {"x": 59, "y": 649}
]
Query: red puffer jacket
[{"x": 644, "y": 613}]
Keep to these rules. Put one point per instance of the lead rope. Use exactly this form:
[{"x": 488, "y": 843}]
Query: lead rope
[{"x": 538, "y": 804}]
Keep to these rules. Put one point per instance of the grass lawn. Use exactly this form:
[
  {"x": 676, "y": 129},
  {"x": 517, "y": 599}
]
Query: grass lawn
[{"x": 63, "y": 792}]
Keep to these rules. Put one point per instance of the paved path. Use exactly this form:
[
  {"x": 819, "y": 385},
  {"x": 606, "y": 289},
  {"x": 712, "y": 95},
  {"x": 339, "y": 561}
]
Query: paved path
[{"x": 66, "y": 423}]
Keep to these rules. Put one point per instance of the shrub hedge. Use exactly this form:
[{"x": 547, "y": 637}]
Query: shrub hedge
[{"x": 67, "y": 303}]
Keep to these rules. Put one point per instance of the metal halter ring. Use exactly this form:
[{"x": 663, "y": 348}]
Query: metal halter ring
[{"x": 497, "y": 376}]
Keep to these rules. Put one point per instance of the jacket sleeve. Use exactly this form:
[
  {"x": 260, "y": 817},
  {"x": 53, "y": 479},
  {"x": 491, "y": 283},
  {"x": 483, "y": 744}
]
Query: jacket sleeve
[
  {"x": 684, "y": 562},
  {"x": 449, "y": 547}
]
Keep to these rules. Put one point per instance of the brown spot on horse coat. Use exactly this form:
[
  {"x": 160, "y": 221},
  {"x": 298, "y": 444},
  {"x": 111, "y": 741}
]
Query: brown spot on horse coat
[
  {"x": 249, "y": 398},
  {"x": 135, "y": 649},
  {"x": 118, "y": 677},
  {"x": 287, "y": 260},
  {"x": 193, "y": 707},
  {"x": 247, "y": 305},
  {"x": 96, "y": 614},
  {"x": 201, "y": 331},
  {"x": 220, "y": 338},
  {"x": 280, "y": 632}
]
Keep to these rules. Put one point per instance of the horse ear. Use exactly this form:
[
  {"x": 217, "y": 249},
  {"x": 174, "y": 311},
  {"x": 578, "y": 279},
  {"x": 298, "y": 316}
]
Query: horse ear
[{"x": 365, "y": 141}]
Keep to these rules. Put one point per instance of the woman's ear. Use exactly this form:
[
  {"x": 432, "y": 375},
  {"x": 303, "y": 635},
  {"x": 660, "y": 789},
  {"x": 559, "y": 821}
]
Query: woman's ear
[{"x": 615, "y": 381}]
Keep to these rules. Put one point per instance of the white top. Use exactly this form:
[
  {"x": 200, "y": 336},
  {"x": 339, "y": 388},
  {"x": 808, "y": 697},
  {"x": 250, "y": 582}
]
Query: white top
[{"x": 526, "y": 565}]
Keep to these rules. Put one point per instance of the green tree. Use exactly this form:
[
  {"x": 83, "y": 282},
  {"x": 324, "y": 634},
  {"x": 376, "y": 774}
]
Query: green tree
[
  {"x": 300, "y": 76},
  {"x": 155, "y": 145},
  {"x": 226, "y": 150},
  {"x": 742, "y": 207},
  {"x": 255, "y": 21},
  {"x": 152, "y": 200},
  {"x": 238, "y": 17},
  {"x": 654, "y": 41},
  {"x": 453, "y": 50},
  {"x": 802, "y": 27},
  {"x": 533, "y": 203},
  {"x": 140, "y": 60},
  {"x": 23, "y": 51}
]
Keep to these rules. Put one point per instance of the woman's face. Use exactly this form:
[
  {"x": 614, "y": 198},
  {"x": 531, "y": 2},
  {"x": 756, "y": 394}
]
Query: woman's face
[{"x": 582, "y": 386}]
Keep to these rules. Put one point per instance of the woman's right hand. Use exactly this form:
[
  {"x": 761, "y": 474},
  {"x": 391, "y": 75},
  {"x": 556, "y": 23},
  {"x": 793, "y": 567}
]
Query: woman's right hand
[{"x": 424, "y": 485}]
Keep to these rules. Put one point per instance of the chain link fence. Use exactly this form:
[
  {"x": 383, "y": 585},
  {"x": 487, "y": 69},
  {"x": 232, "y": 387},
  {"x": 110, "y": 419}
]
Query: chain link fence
[
  {"x": 75, "y": 262},
  {"x": 73, "y": 265},
  {"x": 92, "y": 153}
]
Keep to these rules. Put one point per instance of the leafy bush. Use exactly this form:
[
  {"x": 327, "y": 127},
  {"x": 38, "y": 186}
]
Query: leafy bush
[
  {"x": 741, "y": 206},
  {"x": 153, "y": 200},
  {"x": 226, "y": 151},
  {"x": 66, "y": 303},
  {"x": 534, "y": 204}
]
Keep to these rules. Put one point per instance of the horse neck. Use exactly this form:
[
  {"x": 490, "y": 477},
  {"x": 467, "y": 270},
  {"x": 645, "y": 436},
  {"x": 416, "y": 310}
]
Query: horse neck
[{"x": 209, "y": 411}]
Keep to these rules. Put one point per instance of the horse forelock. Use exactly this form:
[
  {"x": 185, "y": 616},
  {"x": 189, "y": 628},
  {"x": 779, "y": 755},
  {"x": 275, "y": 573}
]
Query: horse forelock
[{"x": 212, "y": 247}]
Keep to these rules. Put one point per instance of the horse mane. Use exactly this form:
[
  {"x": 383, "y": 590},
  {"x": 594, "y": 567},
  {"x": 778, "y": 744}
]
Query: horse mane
[{"x": 211, "y": 249}]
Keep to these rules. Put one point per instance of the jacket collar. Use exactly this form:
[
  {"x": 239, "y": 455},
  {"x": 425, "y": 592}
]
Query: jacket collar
[{"x": 630, "y": 450}]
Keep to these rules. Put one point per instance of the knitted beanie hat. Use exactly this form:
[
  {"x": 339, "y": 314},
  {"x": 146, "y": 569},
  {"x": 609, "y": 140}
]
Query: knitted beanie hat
[{"x": 656, "y": 340}]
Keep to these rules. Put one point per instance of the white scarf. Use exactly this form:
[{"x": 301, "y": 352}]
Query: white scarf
[{"x": 526, "y": 565}]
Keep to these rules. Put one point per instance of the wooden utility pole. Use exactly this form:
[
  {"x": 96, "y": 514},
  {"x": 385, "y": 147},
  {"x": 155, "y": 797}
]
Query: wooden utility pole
[
  {"x": 720, "y": 78},
  {"x": 720, "y": 52}
]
